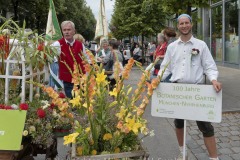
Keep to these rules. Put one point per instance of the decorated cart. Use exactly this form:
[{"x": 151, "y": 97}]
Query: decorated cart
[{"x": 23, "y": 59}]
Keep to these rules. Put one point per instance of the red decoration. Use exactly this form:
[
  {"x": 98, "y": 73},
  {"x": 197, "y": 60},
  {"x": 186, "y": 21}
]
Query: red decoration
[
  {"x": 8, "y": 108},
  {"x": 61, "y": 95},
  {"x": 4, "y": 45},
  {"x": 23, "y": 106},
  {"x": 40, "y": 47},
  {"x": 2, "y": 106},
  {"x": 52, "y": 105},
  {"x": 41, "y": 113}
]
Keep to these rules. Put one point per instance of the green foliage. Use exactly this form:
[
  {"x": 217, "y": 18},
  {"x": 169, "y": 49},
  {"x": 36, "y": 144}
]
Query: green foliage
[
  {"x": 35, "y": 14},
  {"x": 137, "y": 17},
  {"x": 182, "y": 6},
  {"x": 147, "y": 17}
]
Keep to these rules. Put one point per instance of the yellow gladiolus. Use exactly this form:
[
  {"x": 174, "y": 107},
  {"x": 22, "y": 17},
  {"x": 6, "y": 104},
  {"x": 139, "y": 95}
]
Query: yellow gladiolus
[
  {"x": 75, "y": 101},
  {"x": 107, "y": 136},
  {"x": 122, "y": 113},
  {"x": 88, "y": 129},
  {"x": 132, "y": 125},
  {"x": 113, "y": 93},
  {"x": 94, "y": 152},
  {"x": 101, "y": 77},
  {"x": 71, "y": 138},
  {"x": 117, "y": 150},
  {"x": 79, "y": 150}
]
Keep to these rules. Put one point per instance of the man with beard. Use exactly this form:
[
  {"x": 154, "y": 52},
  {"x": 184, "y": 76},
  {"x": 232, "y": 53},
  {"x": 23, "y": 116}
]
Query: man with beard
[{"x": 189, "y": 59}]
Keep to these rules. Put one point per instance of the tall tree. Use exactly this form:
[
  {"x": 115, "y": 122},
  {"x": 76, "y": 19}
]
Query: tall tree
[
  {"x": 35, "y": 14},
  {"x": 137, "y": 17},
  {"x": 182, "y": 6}
]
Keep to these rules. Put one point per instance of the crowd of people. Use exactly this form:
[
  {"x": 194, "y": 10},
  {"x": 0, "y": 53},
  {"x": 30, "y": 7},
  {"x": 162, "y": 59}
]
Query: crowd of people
[{"x": 171, "y": 51}]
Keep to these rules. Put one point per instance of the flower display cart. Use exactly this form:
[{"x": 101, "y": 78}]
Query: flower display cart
[
  {"x": 140, "y": 154},
  {"x": 16, "y": 61}
]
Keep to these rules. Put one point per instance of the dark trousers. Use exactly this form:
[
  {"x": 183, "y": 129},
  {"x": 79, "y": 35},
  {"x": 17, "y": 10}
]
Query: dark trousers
[
  {"x": 68, "y": 87},
  {"x": 205, "y": 127}
]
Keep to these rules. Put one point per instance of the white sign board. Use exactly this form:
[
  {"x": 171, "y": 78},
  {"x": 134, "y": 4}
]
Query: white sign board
[{"x": 187, "y": 101}]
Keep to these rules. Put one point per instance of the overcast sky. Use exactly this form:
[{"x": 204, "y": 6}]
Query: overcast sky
[{"x": 94, "y": 4}]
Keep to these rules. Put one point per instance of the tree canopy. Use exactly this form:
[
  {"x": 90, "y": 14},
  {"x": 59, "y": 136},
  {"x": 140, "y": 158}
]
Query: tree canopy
[
  {"x": 35, "y": 14},
  {"x": 182, "y": 6},
  {"x": 136, "y": 17},
  {"x": 147, "y": 17}
]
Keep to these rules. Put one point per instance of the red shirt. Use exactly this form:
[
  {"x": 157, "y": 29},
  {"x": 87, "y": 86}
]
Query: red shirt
[
  {"x": 161, "y": 49},
  {"x": 65, "y": 56}
]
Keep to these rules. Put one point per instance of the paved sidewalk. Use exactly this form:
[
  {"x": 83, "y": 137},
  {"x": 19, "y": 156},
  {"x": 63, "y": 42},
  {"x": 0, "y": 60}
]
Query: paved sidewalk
[
  {"x": 230, "y": 79},
  {"x": 227, "y": 136}
]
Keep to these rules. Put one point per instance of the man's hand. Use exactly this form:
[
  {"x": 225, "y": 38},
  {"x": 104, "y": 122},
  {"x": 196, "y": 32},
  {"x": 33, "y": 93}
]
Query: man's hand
[{"x": 217, "y": 85}]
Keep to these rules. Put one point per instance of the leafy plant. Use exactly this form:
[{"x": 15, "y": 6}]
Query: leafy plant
[{"x": 105, "y": 121}]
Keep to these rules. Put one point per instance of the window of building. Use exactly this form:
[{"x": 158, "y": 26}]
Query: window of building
[
  {"x": 216, "y": 28},
  {"x": 231, "y": 32}
]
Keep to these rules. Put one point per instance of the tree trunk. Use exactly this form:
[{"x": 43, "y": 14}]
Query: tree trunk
[
  {"x": 143, "y": 54},
  {"x": 189, "y": 9},
  {"x": 15, "y": 9}
]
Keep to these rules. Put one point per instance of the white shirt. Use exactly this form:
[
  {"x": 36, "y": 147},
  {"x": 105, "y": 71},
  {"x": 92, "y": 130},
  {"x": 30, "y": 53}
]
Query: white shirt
[
  {"x": 56, "y": 44},
  {"x": 188, "y": 68}
]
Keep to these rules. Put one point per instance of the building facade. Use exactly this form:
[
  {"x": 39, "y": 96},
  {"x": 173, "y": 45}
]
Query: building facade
[
  {"x": 220, "y": 30},
  {"x": 219, "y": 27}
]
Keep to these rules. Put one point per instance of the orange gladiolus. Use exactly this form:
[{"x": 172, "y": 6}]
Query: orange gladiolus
[
  {"x": 120, "y": 125},
  {"x": 155, "y": 83}
]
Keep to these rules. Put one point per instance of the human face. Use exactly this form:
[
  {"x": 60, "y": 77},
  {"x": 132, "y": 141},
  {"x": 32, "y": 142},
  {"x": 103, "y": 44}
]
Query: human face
[
  {"x": 160, "y": 39},
  {"x": 105, "y": 46},
  {"x": 184, "y": 26},
  {"x": 68, "y": 32}
]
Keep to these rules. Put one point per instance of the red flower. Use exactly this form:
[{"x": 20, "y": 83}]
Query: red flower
[
  {"x": 8, "y": 108},
  {"x": 2, "y": 106},
  {"x": 41, "y": 113},
  {"x": 52, "y": 105},
  {"x": 23, "y": 106},
  {"x": 40, "y": 47},
  {"x": 61, "y": 95}
]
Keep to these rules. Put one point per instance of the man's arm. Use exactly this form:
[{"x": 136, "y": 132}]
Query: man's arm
[
  {"x": 166, "y": 65},
  {"x": 210, "y": 68}
]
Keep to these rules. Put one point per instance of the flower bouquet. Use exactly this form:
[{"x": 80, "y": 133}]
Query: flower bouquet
[
  {"x": 104, "y": 121},
  {"x": 61, "y": 124},
  {"x": 38, "y": 137}
]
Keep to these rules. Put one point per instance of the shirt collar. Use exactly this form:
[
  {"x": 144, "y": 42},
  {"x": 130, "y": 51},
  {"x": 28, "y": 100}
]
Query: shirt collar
[
  {"x": 70, "y": 43},
  {"x": 191, "y": 40}
]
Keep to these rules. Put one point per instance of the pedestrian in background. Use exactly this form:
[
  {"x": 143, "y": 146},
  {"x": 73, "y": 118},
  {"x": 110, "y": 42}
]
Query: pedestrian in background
[
  {"x": 102, "y": 52},
  {"x": 137, "y": 53},
  {"x": 151, "y": 50},
  {"x": 110, "y": 59}
]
